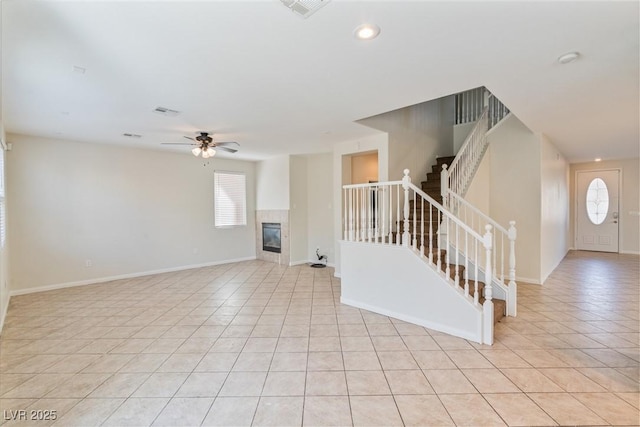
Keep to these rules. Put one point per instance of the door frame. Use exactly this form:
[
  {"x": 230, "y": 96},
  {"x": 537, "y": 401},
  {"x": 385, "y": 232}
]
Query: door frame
[{"x": 575, "y": 204}]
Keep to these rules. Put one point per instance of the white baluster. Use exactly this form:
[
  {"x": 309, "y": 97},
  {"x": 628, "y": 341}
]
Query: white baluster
[
  {"x": 457, "y": 267},
  {"x": 415, "y": 219},
  {"x": 430, "y": 233},
  {"x": 345, "y": 209},
  {"x": 447, "y": 248},
  {"x": 438, "y": 241},
  {"x": 398, "y": 235},
  {"x": 406, "y": 237},
  {"x": 513, "y": 287},
  {"x": 390, "y": 214},
  {"x": 487, "y": 307},
  {"x": 466, "y": 263},
  {"x": 384, "y": 217},
  {"x": 444, "y": 186},
  {"x": 422, "y": 227},
  {"x": 476, "y": 297},
  {"x": 488, "y": 275},
  {"x": 512, "y": 252}
]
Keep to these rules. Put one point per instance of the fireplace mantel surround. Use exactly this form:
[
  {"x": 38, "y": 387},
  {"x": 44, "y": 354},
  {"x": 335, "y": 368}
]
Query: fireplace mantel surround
[{"x": 274, "y": 216}]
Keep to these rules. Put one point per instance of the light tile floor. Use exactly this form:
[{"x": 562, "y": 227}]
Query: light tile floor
[{"x": 254, "y": 343}]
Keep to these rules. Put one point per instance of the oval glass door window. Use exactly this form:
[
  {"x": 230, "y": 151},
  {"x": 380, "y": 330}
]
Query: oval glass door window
[{"x": 597, "y": 201}]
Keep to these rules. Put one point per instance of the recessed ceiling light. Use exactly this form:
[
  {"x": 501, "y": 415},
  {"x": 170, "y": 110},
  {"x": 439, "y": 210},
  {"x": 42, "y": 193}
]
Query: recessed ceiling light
[
  {"x": 568, "y": 57},
  {"x": 597, "y": 159},
  {"x": 366, "y": 32}
]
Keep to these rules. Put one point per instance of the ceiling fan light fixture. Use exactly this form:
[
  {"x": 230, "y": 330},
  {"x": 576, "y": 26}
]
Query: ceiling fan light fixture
[
  {"x": 205, "y": 155},
  {"x": 210, "y": 151},
  {"x": 196, "y": 151}
]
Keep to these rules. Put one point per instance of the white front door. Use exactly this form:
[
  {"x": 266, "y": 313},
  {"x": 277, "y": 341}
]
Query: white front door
[{"x": 597, "y": 210}]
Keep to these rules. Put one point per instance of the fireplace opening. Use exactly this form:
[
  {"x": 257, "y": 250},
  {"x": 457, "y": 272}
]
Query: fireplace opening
[{"x": 271, "y": 237}]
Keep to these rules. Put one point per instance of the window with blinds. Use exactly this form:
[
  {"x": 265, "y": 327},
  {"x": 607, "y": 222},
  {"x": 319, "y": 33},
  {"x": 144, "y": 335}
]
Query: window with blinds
[{"x": 230, "y": 199}]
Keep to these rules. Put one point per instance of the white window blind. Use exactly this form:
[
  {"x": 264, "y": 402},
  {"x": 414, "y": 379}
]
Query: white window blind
[{"x": 230, "y": 199}]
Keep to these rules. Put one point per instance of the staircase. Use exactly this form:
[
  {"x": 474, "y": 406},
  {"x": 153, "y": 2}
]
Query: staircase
[
  {"x": 432, "y": 186},
  {"x": 424, "y": 254}
]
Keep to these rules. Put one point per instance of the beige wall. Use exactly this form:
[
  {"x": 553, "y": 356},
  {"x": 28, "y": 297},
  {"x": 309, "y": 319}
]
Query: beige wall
[
  {"x": 364, "y": 168},
  {"x": 417, "y": 135},
  {"x": 320, "y": 187},
  {"x": 554, "y": 207},
  {"x": 272, "y": 183},
  {"x": 629, "y": 200},
  {"x": 298, "y": 211},
  {"x": 4, "y": 250},
  {"x": 128, "y": 211},
  {"x": 479, "y": 191},
  {"x": 515, "y": 190}
]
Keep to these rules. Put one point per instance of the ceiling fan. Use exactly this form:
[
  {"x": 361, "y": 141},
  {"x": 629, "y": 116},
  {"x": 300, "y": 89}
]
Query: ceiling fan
[{"x": 205, "y": 144}]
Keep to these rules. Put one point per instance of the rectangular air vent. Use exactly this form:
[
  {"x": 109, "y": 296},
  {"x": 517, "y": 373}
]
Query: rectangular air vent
[
  {"x": 166, "y": 111},
  {"x": 304, "y": 8},
  {"x": 132, "y": 135}
]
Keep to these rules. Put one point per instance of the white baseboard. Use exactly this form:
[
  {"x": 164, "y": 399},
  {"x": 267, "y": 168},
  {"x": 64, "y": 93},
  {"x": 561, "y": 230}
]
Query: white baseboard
[
  {"x": 630, "y": 252},
  {"x": 98, "y": 280},
  {"x": 528, "y": 280},
  {"x": 294, "y": 263},
  {"x": 435, "y": 326}
]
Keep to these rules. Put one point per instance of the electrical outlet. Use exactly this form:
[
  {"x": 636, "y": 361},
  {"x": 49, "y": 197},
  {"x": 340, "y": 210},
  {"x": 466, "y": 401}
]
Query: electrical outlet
[{"x": 88, "y": 263}]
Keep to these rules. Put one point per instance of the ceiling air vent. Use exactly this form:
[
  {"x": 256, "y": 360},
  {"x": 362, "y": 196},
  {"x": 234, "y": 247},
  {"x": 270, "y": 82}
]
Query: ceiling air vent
[
  {"x": 304, "y": 8},
  {"x": 166, "y": 111},
  {"x": 132, "y": 135}
]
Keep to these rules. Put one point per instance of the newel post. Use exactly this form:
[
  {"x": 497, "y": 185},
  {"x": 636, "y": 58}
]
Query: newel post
[
  {"x": 512, "y": 252},
  {"x": 513, "y": 287},
  {"x": 444, "y": 185},
  {"x": 487, "y": 307},
  {"x": 406, "y": 180}
]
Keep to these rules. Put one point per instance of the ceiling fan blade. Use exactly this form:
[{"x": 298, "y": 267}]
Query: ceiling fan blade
[
  {"x": 188, "y": 137},
  {"x": 223, "y": 144},
  {"x": 177, "y": 143},
  {"x": 230, "y": 150}
]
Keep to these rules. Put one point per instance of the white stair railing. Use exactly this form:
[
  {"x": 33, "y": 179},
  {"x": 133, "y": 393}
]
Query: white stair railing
[
  {"x": 503, "y": 260},
  {"x": 399, "y": 213},
  {"x": 464, "y": 166}
]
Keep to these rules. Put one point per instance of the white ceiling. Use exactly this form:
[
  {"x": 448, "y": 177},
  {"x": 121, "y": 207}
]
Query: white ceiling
[{"x": 256, "y": 73}]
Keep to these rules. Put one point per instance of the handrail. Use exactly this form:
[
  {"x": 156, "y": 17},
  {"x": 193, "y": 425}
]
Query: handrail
[
  {"x": 460, "y": 201},
  {"x": 467, "y": 141},
  {"x": 446, "y": 212},
  {"x": 373, "y": 184},
  {"x": 461, "y": 170}
]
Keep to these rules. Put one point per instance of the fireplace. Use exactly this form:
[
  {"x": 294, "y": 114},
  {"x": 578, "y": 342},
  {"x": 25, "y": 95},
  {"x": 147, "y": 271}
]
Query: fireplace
[{"x": 271, "y": 240}]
